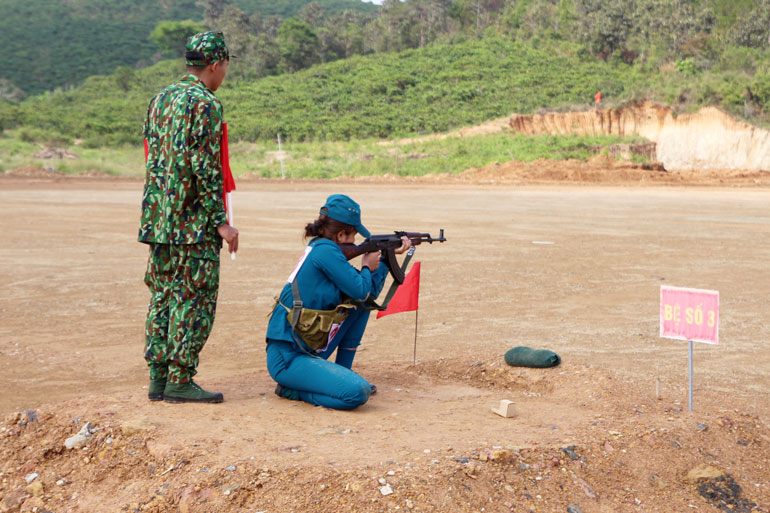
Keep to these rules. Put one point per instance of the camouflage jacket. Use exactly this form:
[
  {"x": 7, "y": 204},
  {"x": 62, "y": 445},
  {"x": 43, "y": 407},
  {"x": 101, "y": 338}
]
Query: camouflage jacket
[{"x": 182, "y": 201}]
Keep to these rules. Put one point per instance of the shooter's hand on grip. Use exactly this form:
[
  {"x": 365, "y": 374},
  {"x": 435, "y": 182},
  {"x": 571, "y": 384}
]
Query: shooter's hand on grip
[{"x": 371, "y": 260}]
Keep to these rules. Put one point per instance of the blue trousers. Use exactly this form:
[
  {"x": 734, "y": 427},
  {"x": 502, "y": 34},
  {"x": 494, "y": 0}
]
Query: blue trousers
[{"x": 317, "y": 380}]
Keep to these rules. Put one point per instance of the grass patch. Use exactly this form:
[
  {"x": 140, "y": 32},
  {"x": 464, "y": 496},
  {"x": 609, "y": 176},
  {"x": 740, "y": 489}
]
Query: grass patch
[
  {"x": 19, "y": 150},
  {"x": 328, "y": 159},
  {"x": 423, "y": 156}
]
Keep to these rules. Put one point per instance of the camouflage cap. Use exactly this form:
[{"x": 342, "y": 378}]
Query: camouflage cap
[{"x": 206, "y": 47}]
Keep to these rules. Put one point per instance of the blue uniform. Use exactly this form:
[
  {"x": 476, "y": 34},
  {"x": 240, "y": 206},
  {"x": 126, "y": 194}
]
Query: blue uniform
[{"x": 324, "y": 280}]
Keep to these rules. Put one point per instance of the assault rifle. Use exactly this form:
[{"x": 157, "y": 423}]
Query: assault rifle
[{"x": 388, "y": 244}]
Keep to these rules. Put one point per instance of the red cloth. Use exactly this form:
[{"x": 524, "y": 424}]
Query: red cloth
[
  {"x": 598, "y": 97},
  {"x": 227, "y": 175},
  {"x": 406, "y": 297},
  {"x": 228, "y": 182}
]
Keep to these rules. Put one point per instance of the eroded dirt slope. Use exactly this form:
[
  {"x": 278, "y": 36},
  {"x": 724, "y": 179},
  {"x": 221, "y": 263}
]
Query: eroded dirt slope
[{"x": 707, "y": 139}]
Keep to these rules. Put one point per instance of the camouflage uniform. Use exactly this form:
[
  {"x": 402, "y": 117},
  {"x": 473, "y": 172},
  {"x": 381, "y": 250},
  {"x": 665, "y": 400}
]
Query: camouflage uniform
[{"x": 181, "y": 209}]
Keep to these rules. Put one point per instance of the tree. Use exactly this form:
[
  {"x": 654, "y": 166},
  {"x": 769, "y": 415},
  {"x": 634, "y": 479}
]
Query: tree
[
  {"x": 267, "y": 56},
  {"x": 383, "y": 34},
  {"x": 605, "y": 25},
  {"x": 347, "y": 28},
  {"x": 266, "y": 51},
  {"x": 213, "y": 11},
  {"x": 680, "y": 28},
  {"x": 409, "y": 24},
  {"x": 171, "y": 36},
  {"x": 239, "y": 30},
  {"x": 429, "y": 18},
  {"x": 297, "y": 43},
  {"x": 475, "y": 16},
  {"x": 531, "y": 19},
  {"x": 313, "y": 14},
  {"x": 754, "y": 30},
  {"x": 124, "y": 78},
  {"x": 10, "y": 92},
  {"x": 10, "y": 116}
]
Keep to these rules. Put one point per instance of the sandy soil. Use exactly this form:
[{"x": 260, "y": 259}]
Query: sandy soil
[{"x": 591, "y": 434}]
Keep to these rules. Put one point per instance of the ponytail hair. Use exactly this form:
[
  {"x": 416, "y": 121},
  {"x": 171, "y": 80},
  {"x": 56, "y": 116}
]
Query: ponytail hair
[{"x": 327, "y": 228}]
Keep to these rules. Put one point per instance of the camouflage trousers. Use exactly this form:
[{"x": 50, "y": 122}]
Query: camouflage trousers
[{"x": 183, "y": 281}]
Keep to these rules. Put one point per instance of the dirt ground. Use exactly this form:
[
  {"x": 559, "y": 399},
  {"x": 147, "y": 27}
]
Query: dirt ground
[{"x": 608, "y": 430}]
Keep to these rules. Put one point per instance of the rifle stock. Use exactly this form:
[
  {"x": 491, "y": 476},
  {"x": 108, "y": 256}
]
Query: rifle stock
[{"x": 388, "y": 244}]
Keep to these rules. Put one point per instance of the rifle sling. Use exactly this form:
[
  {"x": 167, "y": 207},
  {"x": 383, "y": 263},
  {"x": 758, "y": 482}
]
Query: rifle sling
[{"x": 295, "y": 313}]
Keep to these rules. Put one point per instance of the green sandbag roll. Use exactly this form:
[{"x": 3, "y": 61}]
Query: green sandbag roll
[{"x": 527, "y": 357}]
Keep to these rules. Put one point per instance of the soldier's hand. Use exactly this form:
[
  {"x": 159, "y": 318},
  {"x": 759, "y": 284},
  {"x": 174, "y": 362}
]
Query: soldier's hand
[
  {"x": 406, "y": 243},
  {"x": 230, "y": 235},
  {"x": 371, "y": 260}
]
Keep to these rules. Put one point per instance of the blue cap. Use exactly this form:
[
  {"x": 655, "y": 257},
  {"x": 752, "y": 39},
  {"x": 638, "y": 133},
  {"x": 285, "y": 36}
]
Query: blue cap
[{"x": 343, "y": 209}]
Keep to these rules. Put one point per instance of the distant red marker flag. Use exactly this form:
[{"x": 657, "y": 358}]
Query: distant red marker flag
[
  {"x": 406, "y": 297},
  {"x": 598, "y": 98}
]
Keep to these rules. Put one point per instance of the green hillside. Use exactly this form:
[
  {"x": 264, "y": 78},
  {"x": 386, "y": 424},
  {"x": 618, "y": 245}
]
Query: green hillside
[
  {"x": 49, "y": 43},
  {"x": 53, "y": 44},
  {"x": 432, "y": 65},
  {"x": 417, "y": 91}
]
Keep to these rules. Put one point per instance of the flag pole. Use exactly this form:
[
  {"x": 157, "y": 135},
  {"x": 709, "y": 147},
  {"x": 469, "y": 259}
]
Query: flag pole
[
  {"x": 230, "y": 216},
  {"x": 414, "y": 358}
]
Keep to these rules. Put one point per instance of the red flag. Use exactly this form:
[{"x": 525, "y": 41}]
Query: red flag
[
  {"x": 406, "y": 297},
  {"x": 228, "y": 182},
  {"x": 598, "y": 98},
  {"x": 227, "y": 174}
]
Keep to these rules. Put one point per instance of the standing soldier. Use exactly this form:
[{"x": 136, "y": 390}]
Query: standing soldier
[{"x": 184, "y": 221}]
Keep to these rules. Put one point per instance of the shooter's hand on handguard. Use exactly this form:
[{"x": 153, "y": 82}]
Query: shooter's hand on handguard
[{"x": 406, "y": 243}]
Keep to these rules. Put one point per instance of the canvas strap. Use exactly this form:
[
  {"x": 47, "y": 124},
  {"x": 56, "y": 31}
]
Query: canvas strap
[{"x": 370, "y": 304}]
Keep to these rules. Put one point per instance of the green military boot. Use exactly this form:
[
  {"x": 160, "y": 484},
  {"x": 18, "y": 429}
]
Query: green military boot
[
  {"x": 189, "y": 393},
  {"x": 157, "y": 386}
]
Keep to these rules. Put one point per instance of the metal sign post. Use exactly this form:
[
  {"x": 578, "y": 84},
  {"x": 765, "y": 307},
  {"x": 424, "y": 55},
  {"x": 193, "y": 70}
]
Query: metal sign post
[{"x": 691, "y": 377}]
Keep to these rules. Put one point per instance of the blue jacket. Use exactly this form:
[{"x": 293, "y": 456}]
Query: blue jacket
[{"x": 323, "y": 279}]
